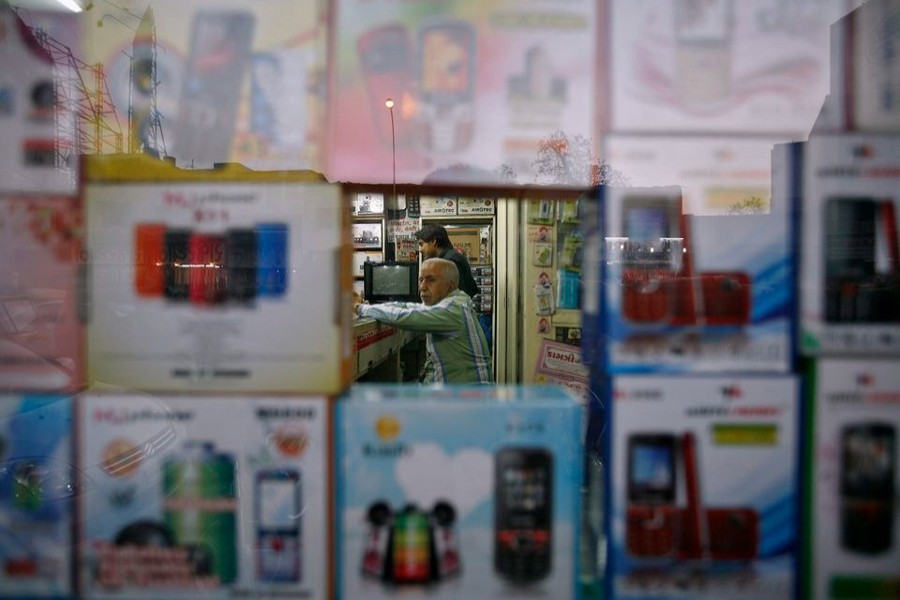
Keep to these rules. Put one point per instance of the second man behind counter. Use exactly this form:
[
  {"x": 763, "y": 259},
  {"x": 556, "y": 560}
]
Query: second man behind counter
[{"x": 435, "y": 243}]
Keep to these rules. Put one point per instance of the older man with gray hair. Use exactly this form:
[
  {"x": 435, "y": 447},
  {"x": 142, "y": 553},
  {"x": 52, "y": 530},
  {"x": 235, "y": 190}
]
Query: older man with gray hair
[{"x": 456, "y": 349}]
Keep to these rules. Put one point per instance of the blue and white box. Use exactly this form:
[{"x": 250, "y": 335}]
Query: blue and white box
[
  {"x": 691, "y": 293},
  {"x": 703, "y": 487},
  {"x": 37, "y": 491},
  {"x": 458, "y": 492}
]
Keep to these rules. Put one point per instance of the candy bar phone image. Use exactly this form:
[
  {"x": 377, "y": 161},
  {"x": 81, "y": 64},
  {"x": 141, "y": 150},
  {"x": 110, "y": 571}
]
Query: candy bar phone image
[
  {"x": 446, "y": 547},
  {"x": 523, "y": 514},
  {"x": 272, "y": 262},
  {"x": 176, "y": 264},
  {"x": 652, "y": 518},
  {"x": 849, "y": 242},
  {"x": 868, "y": 463},
  {"x": 217, "y": 63},
  {"x": 385, "y": 59},
  {"x": 240, "y": 264},
  {"x": 446, "y": 75},
  {"x": 703, "y": 52},
  {"x": 277, "y": 507},
  {"x": 651, "y": 257},
  {"x": 206, "y": 276},
  {"x": 149, "y": 259}
]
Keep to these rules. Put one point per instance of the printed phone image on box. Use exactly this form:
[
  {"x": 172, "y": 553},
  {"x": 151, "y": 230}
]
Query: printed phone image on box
[
  {"x": 694, "y": 293},
  {"x": 704, "y": 484},
  {"x": 41, "y": 263},
  {"x": 216, "y": 496},
  {"x": 850, "y": 258},
  {"x": 487, "y": 512},
  {"x": 37, "y": 490},
  {"x": 855, "y": 449},
  {"x": 198, "y": 285}
]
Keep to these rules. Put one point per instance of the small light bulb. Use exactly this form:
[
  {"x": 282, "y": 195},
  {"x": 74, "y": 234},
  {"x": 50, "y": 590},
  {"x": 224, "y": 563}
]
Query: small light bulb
[{"x": 389, "y": 103}]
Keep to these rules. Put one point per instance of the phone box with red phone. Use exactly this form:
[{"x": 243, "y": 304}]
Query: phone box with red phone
[
  {"x": 198, "y": 279},
  {"x": 458, "y": 492},
  {"x": 853, "y": 543},
  {"x": 848, "y": 187},
  {"x": 703, "y": 484},
  {"x": 690, "y": 293},
  {"x": 231, "y": 494}
]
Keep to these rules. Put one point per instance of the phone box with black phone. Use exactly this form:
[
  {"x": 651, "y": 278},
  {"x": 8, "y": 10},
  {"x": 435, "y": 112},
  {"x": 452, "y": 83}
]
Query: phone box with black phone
[
  {"x": 458, "y": 492},
  {"x": 38, "y": 490},
  {"x": 852, "y": 519},
  {"x": 41, "y": 293},
  {"x": 690, "y": 293},
  {"x": 703, "y": 486},
  {"x": 199, "y": 282},
  {"x": 217, "y": 496},
  {"x": 849, "y": 191}
]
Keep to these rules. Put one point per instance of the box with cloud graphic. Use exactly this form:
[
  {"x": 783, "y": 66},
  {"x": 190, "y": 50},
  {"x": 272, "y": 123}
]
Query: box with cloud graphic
[
  {"x": 212, "y": 497},
  {"x": 703, "y": 487},
  {"x": 458, "y": 492}
]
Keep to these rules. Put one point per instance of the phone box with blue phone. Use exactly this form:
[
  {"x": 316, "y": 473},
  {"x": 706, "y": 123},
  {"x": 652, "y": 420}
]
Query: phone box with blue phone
[
  {"x": 458, "y": 492},
  {"x": 703, "y": 486},
  {"x": 853, "y": 544},
  {"x": 849, "y": 190},
  {"x": 199, "y": 280},
  {"x": 214, "y": 496},
  {"x": 37, "y": 492},
  {"x": 689, "y": 293}
]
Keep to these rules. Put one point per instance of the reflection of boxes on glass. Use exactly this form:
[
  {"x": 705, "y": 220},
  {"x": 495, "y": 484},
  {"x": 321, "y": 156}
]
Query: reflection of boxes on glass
[
  {"x": 41, "y": 261},
  {"x": 725, "y": 279},
  {"x": 37, "y": 491},
  {"x": 850, "y": 263},
  {"x": 436, "y": 207},
  {"x": 230, "y": 507},
  {"x": 855, "y": 450},
  {"x": 490, "y": 515},
  {"x": 679, "y": 479},
  {"x": 196, "y": 282}
]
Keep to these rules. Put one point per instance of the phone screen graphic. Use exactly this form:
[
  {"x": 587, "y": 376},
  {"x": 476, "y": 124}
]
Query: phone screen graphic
[
  {"x": 868, "y": 461},
  {"x": 652, "y": 516},
  {"x": 278, "y": 534},
  {"x": 523, "y": 514}
]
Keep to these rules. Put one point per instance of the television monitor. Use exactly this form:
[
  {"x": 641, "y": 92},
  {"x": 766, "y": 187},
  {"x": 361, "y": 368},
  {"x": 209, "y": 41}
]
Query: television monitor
[{"x": 391, "y": 281}]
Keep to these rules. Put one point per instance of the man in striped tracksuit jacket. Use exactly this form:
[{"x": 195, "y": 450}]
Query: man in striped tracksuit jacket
[{"x": 456, "y": 349}]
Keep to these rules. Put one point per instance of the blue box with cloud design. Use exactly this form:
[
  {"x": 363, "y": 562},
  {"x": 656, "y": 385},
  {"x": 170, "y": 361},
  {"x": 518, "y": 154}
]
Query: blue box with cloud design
[
  {"x": 702, "y": 486},
  {"x": 458, "y": 492}
]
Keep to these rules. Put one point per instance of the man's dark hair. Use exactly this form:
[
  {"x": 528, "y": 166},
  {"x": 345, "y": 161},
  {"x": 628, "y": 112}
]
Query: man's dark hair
[{"x": 434, "y": 233}]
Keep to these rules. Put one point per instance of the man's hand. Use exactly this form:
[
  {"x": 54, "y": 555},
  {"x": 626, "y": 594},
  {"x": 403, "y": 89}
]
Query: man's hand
[{"x": 357, "y": 300}]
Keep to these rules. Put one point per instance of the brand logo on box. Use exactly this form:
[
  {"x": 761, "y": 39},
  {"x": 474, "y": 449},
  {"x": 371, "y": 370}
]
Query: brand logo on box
[
  {"x": 519, "y": 424},
  {"x": 387, "y": 429},
  {"x": 731, "y": 392},
  {"x": 865, "y": 379}
]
